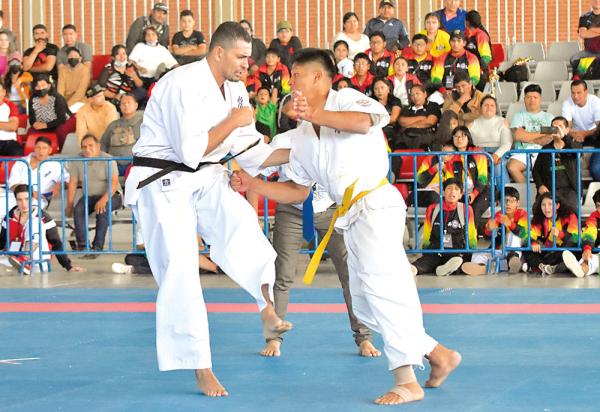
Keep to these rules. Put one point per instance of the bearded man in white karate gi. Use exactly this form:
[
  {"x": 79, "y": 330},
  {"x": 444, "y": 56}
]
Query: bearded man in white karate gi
[
  {"x": 340, "y": 145},
  {"x": 179, "y": 188}
]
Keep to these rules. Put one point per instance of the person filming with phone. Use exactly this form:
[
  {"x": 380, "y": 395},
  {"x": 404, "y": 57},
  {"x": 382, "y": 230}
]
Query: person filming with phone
[{"x": 464, "y": 99}]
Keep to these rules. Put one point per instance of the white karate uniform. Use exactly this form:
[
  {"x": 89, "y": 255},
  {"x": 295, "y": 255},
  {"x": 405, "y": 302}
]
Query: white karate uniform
[
  {"x": 172, "y": 210},
  {"x": 384, "y": 294}
]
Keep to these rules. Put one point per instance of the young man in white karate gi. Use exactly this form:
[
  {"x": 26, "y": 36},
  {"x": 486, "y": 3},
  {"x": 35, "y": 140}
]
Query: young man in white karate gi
[
  {"x": 178, "y": 188},
  {"x": 340, "y": 145}
]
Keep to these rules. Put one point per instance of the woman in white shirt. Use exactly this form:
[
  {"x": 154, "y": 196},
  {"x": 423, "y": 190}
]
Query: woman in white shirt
[
  {"x": 148, "y": 56},
  {"x": 351, "y": 34}
]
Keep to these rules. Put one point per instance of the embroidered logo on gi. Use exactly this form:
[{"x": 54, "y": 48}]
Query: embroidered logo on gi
[
  {"x": 166, "y": 182},
  {"x": 363, "y": 102},
  {"x": 240, "y": 102}
]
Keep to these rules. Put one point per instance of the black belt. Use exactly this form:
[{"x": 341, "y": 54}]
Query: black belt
[{"x": 168, "y": 166}]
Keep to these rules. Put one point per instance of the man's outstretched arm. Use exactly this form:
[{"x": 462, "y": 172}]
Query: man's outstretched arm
[{"x": 281, "y": 192}]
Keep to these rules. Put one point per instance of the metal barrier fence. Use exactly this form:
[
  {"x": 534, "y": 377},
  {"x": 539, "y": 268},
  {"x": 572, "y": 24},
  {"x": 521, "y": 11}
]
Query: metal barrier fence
[{"x": 40, "y": 256}]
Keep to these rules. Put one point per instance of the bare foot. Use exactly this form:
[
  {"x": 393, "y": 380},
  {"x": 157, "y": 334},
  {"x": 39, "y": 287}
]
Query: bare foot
[
  {"x": 367, "y": 350},
  {"x": 271, "y": 348},
  {"x": 273, "y": 326},
  {"x": 208, "y": 383},
  {"x": 443, "y": 361},
  {"x": 408, "y": 392}
]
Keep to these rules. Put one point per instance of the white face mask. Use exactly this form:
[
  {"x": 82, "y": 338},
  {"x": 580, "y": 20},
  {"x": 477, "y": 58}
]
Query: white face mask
[
  {"x": 119, "y": 63},
  {"x": 152, "y": 43}
]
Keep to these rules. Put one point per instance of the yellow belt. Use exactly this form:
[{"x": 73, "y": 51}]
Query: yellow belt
[{"x": 347, "y": 202}]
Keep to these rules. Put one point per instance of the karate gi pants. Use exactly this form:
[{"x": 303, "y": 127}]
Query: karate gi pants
[
  {"x": 384, "y": 293},
  {"x": 170, "y": 222}
]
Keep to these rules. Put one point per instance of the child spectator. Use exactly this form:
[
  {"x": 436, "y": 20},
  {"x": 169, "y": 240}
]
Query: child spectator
[
  {"x": 188, "y": 45},
  {"x": 455, "y": 233},
  {"x": 544, "y": 233},
  {"x": 363, "y": 78},
  {"x": 478, "y": 43},
  {"x": 382, "y": 60},
  {"x": 403, "y": 81},
  {"x": 252, "y": 82},
  {"x": 428, "y": 178},
  {"x": 286, "y": 43},
  {"x": 266, "y": 109},
  {"x": 516, "y": 227},
  {"x": 437, "y": 40},
  {"x": 344, "y": 64},
  {"x": 382, "y": 90},
  {"x": 342, "y": 83},
  {"x": 420, "y": 61},
  {"x": 274, "y": 74},
  {"x": 458, "y": 58}
]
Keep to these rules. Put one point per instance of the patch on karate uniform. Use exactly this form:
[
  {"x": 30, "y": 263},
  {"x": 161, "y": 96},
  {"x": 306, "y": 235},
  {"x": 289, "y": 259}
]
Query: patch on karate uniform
[
  {"x": 165, "y": 182},
  {"x": 364, "y": 102}
]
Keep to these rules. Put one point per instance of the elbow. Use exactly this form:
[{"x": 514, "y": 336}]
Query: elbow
[{"x": 364, "y": 125}]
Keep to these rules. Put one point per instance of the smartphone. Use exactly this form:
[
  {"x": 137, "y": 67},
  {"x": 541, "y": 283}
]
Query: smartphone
[{"x": 548, "y": 130}]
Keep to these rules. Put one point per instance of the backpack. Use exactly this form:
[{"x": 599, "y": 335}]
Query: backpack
[
  {"x": 460, "y": 208},
  {"x": 516, "y": 73}
]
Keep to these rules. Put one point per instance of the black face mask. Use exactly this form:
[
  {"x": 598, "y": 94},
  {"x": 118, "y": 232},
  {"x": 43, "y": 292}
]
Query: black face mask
[
  {"x": 41, "y": 93},
  {"x": 73, "y": 62}
]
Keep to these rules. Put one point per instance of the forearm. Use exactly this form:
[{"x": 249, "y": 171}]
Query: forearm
[
  {"x": 219, "y": 133},
  {"x": 11, "y": 126},
  {"x": 278, "y": 157},
  {"x": 281, "y": 192},
  {"x": 71, "y": 189},
  {"x": 521, "y": 135},
  {"x": 351, "y": 122},
  {"x": 29, "y": 60}
]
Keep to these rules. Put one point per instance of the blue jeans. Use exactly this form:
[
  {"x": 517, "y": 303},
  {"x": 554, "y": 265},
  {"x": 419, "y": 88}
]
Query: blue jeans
[{"x": 101, "y": 220}]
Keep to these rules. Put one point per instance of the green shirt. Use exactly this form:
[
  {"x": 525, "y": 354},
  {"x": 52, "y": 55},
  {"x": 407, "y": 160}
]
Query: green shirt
[{"x": 268, "y": 116}]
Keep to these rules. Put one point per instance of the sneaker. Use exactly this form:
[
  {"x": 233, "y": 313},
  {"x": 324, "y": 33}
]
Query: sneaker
[
  {"x": 414, "y": 269},
  {"x": 17, "y": 263},
  {"x": 122, "y": 268},
  {"x": 525, "y": 267},
  {"x": 473, "y": 269},
  {"x": 449, "y": 267},
  {"x": 572, "y": 264},
  {"x": 514, "y": 264},
  {"x": 547, "y": 269}
]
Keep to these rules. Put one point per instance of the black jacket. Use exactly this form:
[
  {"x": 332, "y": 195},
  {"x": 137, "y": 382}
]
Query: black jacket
[{"x": 542, "y": 171}]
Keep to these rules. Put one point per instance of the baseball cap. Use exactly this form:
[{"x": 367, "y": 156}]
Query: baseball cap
[
  {"x": 386, "y": 3},
  {"x": 161, "y": 7},
  {"x": 457, "y": 34},
  {"x": 284, "y": 25},
  {"x": 94, "y": 90}
]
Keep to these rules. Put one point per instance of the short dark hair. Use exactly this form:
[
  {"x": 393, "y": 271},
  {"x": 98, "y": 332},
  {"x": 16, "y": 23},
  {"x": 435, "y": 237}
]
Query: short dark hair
[
  {"x": 129, "y": 94},
  {"x": 461, "y": 76},
  {"x": 343, "y": 42},
  {"x": 20, "y": 189},
  {"x": 115, "y": 49},
  {"x": 361, "y": 55},
  {"x": 561, "y": 119},
  {"x": 533, "y": 88},
  {"x": 420, "y": 36},
  {"x": 488, "y": 97},
  {"x": 314, "y": 55},
  {"x": 228, "y": 33},
  {"x": 453, "y": 181},
  {"x": 40, "y": 77},
  {"x": 185, "y": 13},
  {"x": 511, "y": 192},
  {"x": 69, "y": 26},
  {"x": 377, "y": 34},
  {"x": 89, "y": 136},
  {"x": 272, "y": 50},
  {"x": 248, "y": 23},
  {"x": 579, "y": 82},
  {"x": 342, "y": 79},
  {"x": 420, "y": 87},
  {"x": 149, "y": 28},
  {"x": 433, "y": 14},
  {"x": 39, "y": 26},
  {"x": 385, "y": 81},
  {"x": 44, "y": 139},
  {"x": 596, "y": 197},
  {"x": 75, "y": 49},
  {"x": 263, "y": 88}
]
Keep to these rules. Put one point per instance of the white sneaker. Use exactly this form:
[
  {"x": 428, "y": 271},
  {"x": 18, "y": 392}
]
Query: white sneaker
[
  {"x": 414, "y": 269},
  {"x": 572, "y": 264},
  {"x": 122, "y": 268},
  {"x": 449, "y": 267}
]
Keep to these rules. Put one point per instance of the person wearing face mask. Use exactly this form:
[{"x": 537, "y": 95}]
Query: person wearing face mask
[
  {"x": 148, "y": 56},
  {"x": 71, "y": 39},
  {"x": 73, "y": 80},
  {"x": 119, "y": 77},
  {"x": 48, "y": 110},
  {"x": 157, "y": 19}
]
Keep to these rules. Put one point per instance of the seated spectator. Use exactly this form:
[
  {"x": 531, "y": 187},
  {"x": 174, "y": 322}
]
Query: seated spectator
[
  {"x": 18, "y": 87},
  {"x": 8, "y": 55},
  {"x": 363, "y": 78},
  {"x": 589, "y": 31},
  {"x": 479, "y": 43},
  {"x": 48, "y": 110},
  {"x": 342, "y": 83},
  {"x": 99, "y": 191},
  {"x": 589, "y": 262},
  {"x": 286, "y": 44},
  {"x": 565, "y": 165},
  {"x": 419, "y": 60},
  {"x": 382, "y": 90},
  {"x": 119, "y": 78},
  {"x": 188, "y": 45},
  {"x": 525, "y": 127},
  {"x": 454, "y": 235},
  {"x": 73, "y": 80},
  {"x": 357, "y": 41},
  {"x": 402, "y": 81},
  {"x": 4, "y": 29},
  {"x": 344, "y": 64},
  {"x": 258, "y": 47},
  {"x": 418, "y": 122},
  {"x": 393, "y": 29},
  {"x": 266, "y": 109},
  {"x": 9, "y": 123},
  {"x": 443, "y": 136},
  {"x": 70, "y": 39},
  {"x": 18, "y": 230},
  {"x": 157, "y": 19},
  {"x": 548, "y": 228},
  {"x": 274, "y": 74},
  {"x": 438, "y": 40},
  {"x": 41, "y": 58},
  {"x": 516, "y": 227},
  {"x": 452, "y": 16},
  {"x": 382, "y": 60},
  {"x": 95, "y": 116},
  {"x": 464, "y": 99},
  {"x": 430, "y": 177},
  {"x": 52, "y": 174},
  {"x": 121, "y": 134},
  {"x": 478, "y": 186},
  {"x": 148, "y": 56},
  {"x": 458, "y": 58}
]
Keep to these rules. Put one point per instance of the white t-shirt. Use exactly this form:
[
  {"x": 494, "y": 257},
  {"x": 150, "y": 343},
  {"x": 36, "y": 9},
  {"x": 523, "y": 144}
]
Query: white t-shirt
[
  {"x": 150, "y": 57},
  {"x": 5, "y": 112},
  {"x": 583, "y": 118},
  {"x": 354, "y": 46},
  {"x": 346, "y": 67}
]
